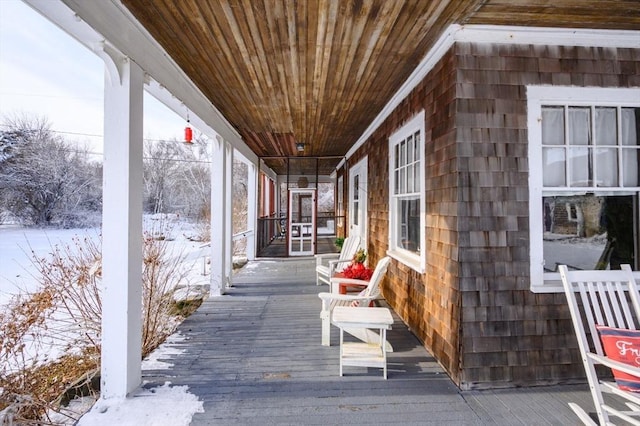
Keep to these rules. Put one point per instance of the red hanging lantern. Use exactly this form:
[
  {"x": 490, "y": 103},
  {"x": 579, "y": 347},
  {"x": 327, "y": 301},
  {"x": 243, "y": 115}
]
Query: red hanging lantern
[{"x": 188, "y": 134}]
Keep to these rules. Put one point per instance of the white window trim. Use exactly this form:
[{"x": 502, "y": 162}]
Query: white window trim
[
  {"x": 549, "y": 282},
  {"x": 340, "y": 201},
  {"x": 416, "y": 262}
]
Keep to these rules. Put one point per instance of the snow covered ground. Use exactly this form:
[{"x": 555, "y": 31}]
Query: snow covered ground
[
  {"x": 165, "y": 405},
  {"x": 16, "y": 244}
]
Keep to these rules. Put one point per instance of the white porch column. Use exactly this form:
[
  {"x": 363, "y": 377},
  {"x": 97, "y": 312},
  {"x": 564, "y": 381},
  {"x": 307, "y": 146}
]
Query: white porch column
[
  {"x": 122, "y": 229},
  {"x": 252, "y": 209},
  {"x": 220, "y": 215}
]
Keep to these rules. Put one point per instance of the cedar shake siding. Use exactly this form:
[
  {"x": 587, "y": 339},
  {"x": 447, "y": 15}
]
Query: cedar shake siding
[{"x": 473, "y": 308}]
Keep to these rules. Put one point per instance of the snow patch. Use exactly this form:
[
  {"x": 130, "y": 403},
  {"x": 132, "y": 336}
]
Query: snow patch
[
  {"x": 158, "y": 406},
  {"x": 165, "y": 351}
]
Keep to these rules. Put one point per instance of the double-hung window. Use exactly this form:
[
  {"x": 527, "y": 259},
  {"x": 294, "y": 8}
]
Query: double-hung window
[
  {"x": 584, "y": 180},
  {"x": 407, "y": 194}
]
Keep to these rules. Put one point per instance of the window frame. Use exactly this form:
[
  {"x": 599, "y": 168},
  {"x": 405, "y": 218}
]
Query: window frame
[
  {"x": 340, "y": 201},
  {"x": 537, "y": 97},
  {"x": 416, "y": 261}
]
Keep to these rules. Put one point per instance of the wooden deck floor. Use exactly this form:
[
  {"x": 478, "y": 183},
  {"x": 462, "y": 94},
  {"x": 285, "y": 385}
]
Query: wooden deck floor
[{"x": 254, "y": 356}]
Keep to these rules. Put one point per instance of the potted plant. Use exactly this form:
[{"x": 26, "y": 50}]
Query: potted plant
[{"x": 356, "y": 269}]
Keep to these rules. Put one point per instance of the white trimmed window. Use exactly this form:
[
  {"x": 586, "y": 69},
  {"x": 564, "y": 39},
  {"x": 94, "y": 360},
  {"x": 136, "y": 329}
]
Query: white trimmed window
[
  {"x": 407, "y": 194},
  {"x": 584, "y": 180}
]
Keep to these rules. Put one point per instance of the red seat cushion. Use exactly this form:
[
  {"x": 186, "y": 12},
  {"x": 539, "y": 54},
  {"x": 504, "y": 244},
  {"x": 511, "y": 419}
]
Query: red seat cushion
[{"x": 622, "y": 345}]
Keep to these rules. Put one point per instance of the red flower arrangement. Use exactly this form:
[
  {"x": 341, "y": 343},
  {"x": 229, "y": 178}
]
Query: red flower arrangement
[{"x": 358, "y": 271}]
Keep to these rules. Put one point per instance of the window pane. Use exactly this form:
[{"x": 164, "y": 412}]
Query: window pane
[
  {"x": 416, "y": 143},
  {"x": 356, "y": 187},
  {"x": 606, "y": 126},
  {"x": 589, "y": 232},
  {"x": 356, "y": 212},
  {"x": 416, "y": 177},
  {"x": 607, "y": 167},
  {"x": 396, "y": 182},
  {"x": 552, "y": 125},
  {"x": 408, "y": 235},
  {"x": 403, "y": 181},
  {"x": 630, "y": 118},
  {"x": 579, "y": 126},
  {"x": 553, "y": 160},
  {"x": 410, "y": 179},
  {"x": 579, "y": 167},
  {"x": 630, "y": 160},
  {"x": 396, "y": 156},
  {"x": 410, "y": 150}
]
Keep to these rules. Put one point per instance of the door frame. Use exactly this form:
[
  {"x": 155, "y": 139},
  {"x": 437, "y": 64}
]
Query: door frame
[
  {"x": 300, "y": 239},
  {"x": 361, "y": 227}
]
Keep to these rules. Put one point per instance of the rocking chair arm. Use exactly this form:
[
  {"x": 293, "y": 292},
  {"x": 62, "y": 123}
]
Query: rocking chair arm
[{"x": 625, "y": 368}]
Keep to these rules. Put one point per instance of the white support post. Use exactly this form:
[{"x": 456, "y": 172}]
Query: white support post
[
  {"x": 252, "y": 209},
  {"x": 219, "y": 176},
  {"x": 122, "y": 228},
  {"x": 228, "y": 207}
]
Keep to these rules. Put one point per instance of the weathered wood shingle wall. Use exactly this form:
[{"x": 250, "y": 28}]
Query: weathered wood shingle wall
[
  {"x": 430, "y": 303},
  {"x": 473, "y": 308},
  {"x": 511, "y": 336}
]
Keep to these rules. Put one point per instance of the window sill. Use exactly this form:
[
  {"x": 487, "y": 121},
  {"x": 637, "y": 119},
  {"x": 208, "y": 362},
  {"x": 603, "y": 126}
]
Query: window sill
[{"x": 408, "y": 259}]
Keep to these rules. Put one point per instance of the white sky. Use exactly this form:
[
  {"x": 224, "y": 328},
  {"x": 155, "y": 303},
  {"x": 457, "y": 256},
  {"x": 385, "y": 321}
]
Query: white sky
[{"x": 46, "y": 73}]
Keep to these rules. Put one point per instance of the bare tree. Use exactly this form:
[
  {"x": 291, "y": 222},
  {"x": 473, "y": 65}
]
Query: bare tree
[
  {"x": 193, "y": 185},
  {"x": 160, "y": 167},
  {"x": 45, "y": 180}
]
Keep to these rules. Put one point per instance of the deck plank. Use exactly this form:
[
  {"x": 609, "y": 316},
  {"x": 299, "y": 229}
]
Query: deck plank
[{"x": 253, "y": 356}]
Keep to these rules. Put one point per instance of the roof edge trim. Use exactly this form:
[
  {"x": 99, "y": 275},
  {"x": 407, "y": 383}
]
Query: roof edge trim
[{"x": 501, "y": 35}]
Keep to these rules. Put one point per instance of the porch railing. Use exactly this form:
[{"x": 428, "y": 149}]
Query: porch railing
[{"x": 269, "y": 229}]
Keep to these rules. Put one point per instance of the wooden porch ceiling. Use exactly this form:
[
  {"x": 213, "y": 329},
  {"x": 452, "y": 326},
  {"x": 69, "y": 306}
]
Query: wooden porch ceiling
[{"x": 320, "y": 71}]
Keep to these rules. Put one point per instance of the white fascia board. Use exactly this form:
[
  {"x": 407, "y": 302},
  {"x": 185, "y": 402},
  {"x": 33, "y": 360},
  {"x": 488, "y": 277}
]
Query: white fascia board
[
  {"x": 549, "y": 36},
  {"x": 96, "y": 23},
  {"x": 497, "y": 35}
]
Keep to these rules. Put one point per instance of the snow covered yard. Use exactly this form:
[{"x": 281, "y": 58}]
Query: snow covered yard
[
  {"x": 17, "y": 242},
  {"x": 18, "y": 275}
]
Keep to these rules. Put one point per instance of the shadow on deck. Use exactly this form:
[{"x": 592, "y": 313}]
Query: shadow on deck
[{"x": 254, "y": 356}]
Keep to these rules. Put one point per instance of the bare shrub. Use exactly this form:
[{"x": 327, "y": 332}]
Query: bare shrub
[
  {"x": 50, "y": 338},
  {"x": 161, "y": 275}
]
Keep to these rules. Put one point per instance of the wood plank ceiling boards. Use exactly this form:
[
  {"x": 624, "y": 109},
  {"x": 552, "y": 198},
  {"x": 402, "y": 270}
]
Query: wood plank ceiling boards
[{"x": 320, "y": 71}]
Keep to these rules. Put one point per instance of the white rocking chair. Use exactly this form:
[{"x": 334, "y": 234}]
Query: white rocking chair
[
  {"x": 362, "y": 300},
  {"x": 327, "y": 265},
  {"x": 607, "y": 299}
]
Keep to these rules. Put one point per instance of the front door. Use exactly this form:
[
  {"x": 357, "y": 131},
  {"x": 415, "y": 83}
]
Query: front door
[
  {"x": 302, "y": 222},
  {"x": 358, "y": 201}
]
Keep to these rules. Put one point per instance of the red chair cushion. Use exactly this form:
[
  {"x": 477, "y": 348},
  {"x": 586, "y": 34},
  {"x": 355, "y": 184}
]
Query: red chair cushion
[{"x": 622, "y": 345}]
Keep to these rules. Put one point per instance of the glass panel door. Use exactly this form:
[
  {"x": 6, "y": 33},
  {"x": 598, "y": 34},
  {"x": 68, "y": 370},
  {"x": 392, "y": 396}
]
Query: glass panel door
[{"x": 302, "y": 222}]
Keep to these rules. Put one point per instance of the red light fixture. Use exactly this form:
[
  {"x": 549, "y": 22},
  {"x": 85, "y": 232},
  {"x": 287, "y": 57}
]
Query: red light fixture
[{"x": 188, "y": 134}]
